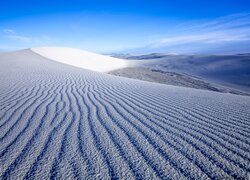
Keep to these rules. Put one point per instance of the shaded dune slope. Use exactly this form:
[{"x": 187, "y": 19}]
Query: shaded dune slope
[
  {"x": 59, "y": 121},
  {"x": 227, "y": 70}
]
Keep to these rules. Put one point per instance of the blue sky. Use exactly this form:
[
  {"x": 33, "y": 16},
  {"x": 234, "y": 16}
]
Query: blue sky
[{"x": 117, "y": 26}]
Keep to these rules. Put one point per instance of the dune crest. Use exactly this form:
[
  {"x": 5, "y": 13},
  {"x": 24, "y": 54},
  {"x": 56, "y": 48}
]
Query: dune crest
[{"x": 81, "y": 58}]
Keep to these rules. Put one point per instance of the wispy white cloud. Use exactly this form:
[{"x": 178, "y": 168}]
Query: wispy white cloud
[
  {"x": 12, "y": 35},
  {"x": 9, "y": 31},
  {"x": 20, "y": 38},
  {"x": 205, "y": 38},
  {"x": 228, "y": 29}
]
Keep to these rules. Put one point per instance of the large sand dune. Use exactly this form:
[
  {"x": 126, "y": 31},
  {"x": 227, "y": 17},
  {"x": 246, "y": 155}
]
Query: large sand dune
[
  {"x": 80, "y": 58},
  {"x": 62, "y": 122}
]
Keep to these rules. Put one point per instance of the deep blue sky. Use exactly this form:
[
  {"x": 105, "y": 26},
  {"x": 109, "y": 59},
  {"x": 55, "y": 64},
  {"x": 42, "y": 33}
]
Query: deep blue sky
[{"x": 106, "y": 26}]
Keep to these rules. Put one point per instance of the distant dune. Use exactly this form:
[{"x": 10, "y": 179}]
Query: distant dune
[
  {"x": 231, "y": 71},
  {"x": 58, "y": 121},
  {"x": 153, "y": 74}
]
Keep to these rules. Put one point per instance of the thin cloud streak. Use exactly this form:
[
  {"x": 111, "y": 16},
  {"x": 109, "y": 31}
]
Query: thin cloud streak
[
  {"x": 20, "y": 38},
  {"x": 12, "y": 35},
  {"x": 232, "y": 28},
  {"x": 9, "y": 31}
]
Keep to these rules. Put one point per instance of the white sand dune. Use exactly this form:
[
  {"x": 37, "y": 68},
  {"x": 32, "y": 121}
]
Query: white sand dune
[
  {"x": 80, "y": 58},
  {"x": 62, "y": 122}
]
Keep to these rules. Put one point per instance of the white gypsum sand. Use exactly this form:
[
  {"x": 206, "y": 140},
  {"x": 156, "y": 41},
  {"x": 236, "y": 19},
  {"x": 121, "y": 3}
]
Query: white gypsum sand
[
  {"x": 80, "y": 58},
  {"x": 62, "y": 122}
]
